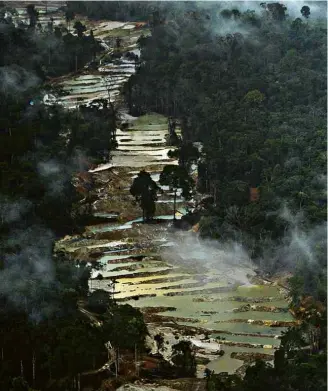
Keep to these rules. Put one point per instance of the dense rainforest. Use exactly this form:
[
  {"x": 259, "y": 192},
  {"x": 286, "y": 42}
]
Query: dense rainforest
[
  {"x": 44, "y": 51},
  {"x": 46, "y": 342},
  {"x": 251, "y": 88}
]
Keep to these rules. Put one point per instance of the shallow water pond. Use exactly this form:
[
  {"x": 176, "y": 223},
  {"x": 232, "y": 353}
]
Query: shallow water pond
[
  {"x": 226, "y": 316},
  {"x": 241, "y": 338},
  {"x": 240, "y": 328},
  {"x": 230, "y": 365}
]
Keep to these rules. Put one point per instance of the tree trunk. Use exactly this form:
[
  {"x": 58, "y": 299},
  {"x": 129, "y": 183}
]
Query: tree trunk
[
  {"x": 174, "y": 203},
  {"x": 33, "y": 368},
  {"x": 215, "y": 195},
  {"x": 116, "y": 363}
]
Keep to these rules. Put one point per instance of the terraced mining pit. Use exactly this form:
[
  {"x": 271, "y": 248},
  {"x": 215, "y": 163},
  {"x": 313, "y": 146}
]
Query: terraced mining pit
[
  {"x": 214, "y": 303},
  {"x": 206, "y": 301}
]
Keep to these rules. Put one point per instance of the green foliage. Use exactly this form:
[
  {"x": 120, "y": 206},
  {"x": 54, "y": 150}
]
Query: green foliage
[
  {"x": 187, "y": 154},
  {"x": 40, "y": 156},
  {"x": 144, "y": 189},
  {"x": 19, "y": 384},
  {"x": 125, "y": 327},
  {"x": 53, "y": 332},
  {"x": 305, "y": 11},
  {"x": 41, "y": 150},
  {"x": 254, "y": 97},
  {"x": 176, "y": 177},
  {"x": 223, "y": 382},
  {"x": 183, "y": 358},
  {"x": 48, "y": 52},
  {"x": 263, "y": 127},
  {"x": 303, "y": 372},
  {"x": 257, "y": 103},
  {"x": 151, "y": 11},
  {"x": 99, "y": 301},
  {"x": 79, "y": 28}
]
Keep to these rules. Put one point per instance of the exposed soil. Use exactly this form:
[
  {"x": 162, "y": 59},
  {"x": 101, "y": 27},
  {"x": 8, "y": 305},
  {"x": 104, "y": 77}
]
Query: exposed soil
[
  {"x": 269, "y": 323},
  {"x": 251, "y": 357},
  {"x": 260, "y": 308},
  {"x": 234, "y": 298},
  {"x": 200, "y": 291}
]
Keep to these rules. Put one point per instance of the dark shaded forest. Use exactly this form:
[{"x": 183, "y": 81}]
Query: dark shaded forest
[
  {"x": 251, "y": 88},
  {"x": 46, "y": 341}
]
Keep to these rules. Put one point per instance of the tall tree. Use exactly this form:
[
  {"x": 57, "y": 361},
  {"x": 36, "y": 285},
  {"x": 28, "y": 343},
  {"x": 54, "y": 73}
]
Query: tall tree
[
  {"x": 79, "y": 28},
  {"x": 305, "y": 11},
  {"x": 184, "y": 360},
  {"x": 69, "y": 16},
  {"x": 176, "y": 177},
  {"x": 33, "y": 15},
  {"x": 187, "y": 154},
  {"x": 144, "y": 189}
]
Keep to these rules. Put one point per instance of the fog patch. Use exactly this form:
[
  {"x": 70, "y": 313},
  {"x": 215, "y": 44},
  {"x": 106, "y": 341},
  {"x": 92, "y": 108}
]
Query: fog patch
[
  {"x": 318, "y": 9},
  {"x": 54, "y": 174},
  {"x": 28, "y": 267},
  {"x": 299, "y": 246},
  {"x": 15, "y": 79},
  {"x": 206, "y": 255},
  {"x": 12, "y": 211},
  {"x": 57, "y": 175}
]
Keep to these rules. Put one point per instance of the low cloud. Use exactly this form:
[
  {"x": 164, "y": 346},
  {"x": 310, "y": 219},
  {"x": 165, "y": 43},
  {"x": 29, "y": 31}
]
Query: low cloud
[
  {"x": 11, "y": 211},
  {"x": 204, "y": 255},
  {"x": 28, "y": 268},
  {"x": 15, "y": 79}
]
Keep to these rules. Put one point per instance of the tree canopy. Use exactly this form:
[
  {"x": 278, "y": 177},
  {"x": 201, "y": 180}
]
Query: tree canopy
[
  {"x": 144, "y": 189},
  {"x": 176, "y": 177}
]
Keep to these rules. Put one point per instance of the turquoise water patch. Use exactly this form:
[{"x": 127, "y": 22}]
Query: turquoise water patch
[{"x": 241, "y": 338}]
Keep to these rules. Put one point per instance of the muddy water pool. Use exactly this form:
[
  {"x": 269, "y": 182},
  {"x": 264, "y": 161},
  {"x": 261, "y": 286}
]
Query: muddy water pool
[{"x": 230, "y": 365}]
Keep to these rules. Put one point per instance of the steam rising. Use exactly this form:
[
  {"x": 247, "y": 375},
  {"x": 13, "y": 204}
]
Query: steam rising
[
  {"x": 299, "y": 247},
  {"x": 229, "y": 259}
]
